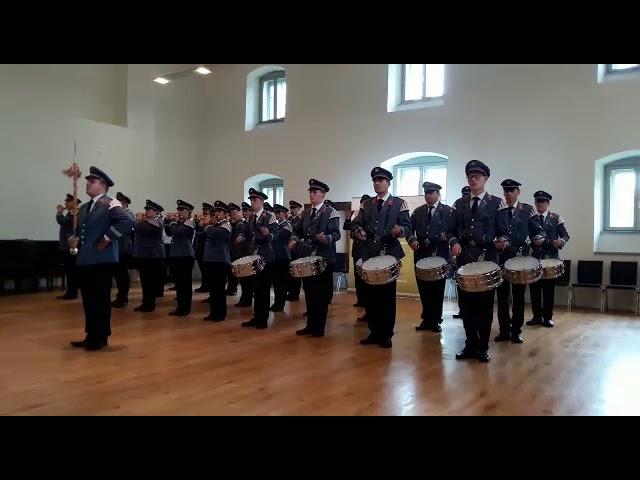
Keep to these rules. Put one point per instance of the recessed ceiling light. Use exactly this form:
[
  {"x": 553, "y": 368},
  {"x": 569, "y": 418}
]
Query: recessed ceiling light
[
  {"x": 203, "y": 71},
  {"x": 161, "y": 80}
]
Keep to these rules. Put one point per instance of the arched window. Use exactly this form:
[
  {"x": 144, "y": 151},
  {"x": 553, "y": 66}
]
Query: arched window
[
  {"x": 274, "y": 189},
  {"x": 410, "y": 174},
  {"x": 621, "y": 183}
]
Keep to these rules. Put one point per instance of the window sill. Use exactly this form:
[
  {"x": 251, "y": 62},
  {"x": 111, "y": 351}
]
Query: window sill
[
  {"x": 617, "y": 242},
  {"x": 430, "y": 103}
]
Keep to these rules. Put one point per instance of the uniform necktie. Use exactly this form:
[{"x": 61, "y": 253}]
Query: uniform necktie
[{"x": 474, "y": 207}]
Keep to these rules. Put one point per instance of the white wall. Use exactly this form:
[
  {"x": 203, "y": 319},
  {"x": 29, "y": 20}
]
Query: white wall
[
  {"x": 146, "y": 136},
  {"x": 544, "y": 125}
]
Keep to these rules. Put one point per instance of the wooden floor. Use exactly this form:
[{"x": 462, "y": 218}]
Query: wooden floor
[{"x": 160, "y": 365}]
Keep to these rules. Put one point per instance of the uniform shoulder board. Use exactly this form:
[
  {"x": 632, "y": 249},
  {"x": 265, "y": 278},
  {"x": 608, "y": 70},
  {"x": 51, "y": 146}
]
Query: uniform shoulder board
[
  {"x": 503, "y": 206},
  {"x": 189, "y": 222},
  {"x": 287, "y": 226},
  {"x": 272, "y": 218},
  {"x": 560, "y": 220},
  {"x": 225, "y": 224},
  {"x": 404, "y": 206},
  {"x": 114, "y": 203},
  {"x": 333, "y": 213}
]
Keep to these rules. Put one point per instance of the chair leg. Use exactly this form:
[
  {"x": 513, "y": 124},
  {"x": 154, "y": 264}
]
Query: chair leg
[
  {"x": 637, "y": 301},
  {"x": 569, "y": 298}
]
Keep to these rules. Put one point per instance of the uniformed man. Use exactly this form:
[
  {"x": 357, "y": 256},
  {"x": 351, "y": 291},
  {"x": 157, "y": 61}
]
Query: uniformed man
[
  {"x": 217, "y": 259},
  {"x": 519, "y": 225},
  {"x": 246, "y": 283},
  {"x": 476, "y": 231},
  {"x": 181, "y": 228},
  {"x": 102, "y": 221},
  {"x": 200, "y": 243},
  {"x": 125, "y": 261},
  {"x": 317, "y": 234},
  {"x": 236, "y": 248},
  {"x": 260, "y": 231},
  {"x": 268, "y": 207},
  {"x": 356, "y": 247},
  {"x": 555, "y": 238},
  {"x": 283, "y": 258},
  {"x": 465, "y": 192},
  {"x": 432, "y": 227},
  {"x": 379, "y": 225},
  {"x": 295, "y": 284},
  {"x": 149, "y": 254},
  {"x": 69, "y": 261}
]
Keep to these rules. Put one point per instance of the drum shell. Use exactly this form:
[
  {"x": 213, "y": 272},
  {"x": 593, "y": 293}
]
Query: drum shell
[
  {"x": 551, "y": 272},
  {"x": 311, "y": 267},
  {"x": 522, "y": 277},
  {"x": 247, "y": 269},
  {"x": 480, "y": 282},
  {"x": 381, "y": 276},
  {"x": 433, "y": 274}
]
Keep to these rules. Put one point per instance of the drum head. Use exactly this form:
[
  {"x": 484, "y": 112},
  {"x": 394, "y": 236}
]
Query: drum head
[
  {"x": 245, "y": 260},
  {"x": 522, "y": 263},
  {"x": 478, "y": 268},
  {"x": 379, "y": 263},
  {"x": 431, "y": 262},
  {"x": 305, "y": 260},
  {"x": 551, "y": 262}
]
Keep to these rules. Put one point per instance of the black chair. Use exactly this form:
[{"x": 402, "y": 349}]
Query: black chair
[
  {"x": 589, "y": 276},
  {"x": 564, "y": 281},
  {"x": 341, "y": 267},
  {"x": 623, "y": 276}
]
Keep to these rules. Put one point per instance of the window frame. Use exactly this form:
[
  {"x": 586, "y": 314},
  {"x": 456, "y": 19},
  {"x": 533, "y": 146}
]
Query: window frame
[
  {"x": 626, "y": 163},
  {"x": 424, "y": 98},
  {"x": 275, "y": 76},
  {"x": 274, "y": 184},
  {"x": 609, "y": 70},
  {"x": 423, "y": 163}
]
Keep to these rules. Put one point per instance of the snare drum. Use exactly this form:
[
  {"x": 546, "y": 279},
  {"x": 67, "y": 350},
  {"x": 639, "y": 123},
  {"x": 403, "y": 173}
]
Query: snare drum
[
  {"x": 247, "y": 266},
  {"x": 479, "y": 277},
  {"x": 551, "y": 268},
  {"x": 381, "y": 270},
  {"x": 522, "y": 270},
  {"x": 432, "y": 269},
  {"x": 307, "y": 266}
]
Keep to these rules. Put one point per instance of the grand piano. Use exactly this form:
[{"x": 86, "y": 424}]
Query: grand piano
[{"x": 29, "y": 263}]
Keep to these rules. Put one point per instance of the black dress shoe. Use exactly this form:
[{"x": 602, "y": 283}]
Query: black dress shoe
[
  {"x": 386, "y": 343},
  {"x": 202, "y": 290},
  {"x": 369, "y": 341},
  {"x": 317, "y": 334},
  {"x": 535, "y": 321},
  {"x": 262, "y": 325},
  {"x": 303, "y": 331},
  {"x": 293, "y": 299},
  {"x": 466, "y": 355},
  {"x": 144, "y": 309},
  {"x": 276, "y": 308},
  {"x": 457, "y": 315},
  {"x": 119, "y": 303},
  {"x": 548, "y": 323},
  {"x": 250, "y": 323},
  {"x": 306, "y": 314},
  {"x": 436, "y": 328},
  {"x": 94, "y": 346},
  {"x": 503, "y": 337},
  {"x": 517, "y": 339},
  {"x": 483, "y": 357},
  {"x": 79, "y": 344},
  {"x": 423, "y": 327}
]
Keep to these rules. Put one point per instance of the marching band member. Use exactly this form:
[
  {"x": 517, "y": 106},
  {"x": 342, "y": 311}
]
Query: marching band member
[{"x": 182, "y": 229}]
